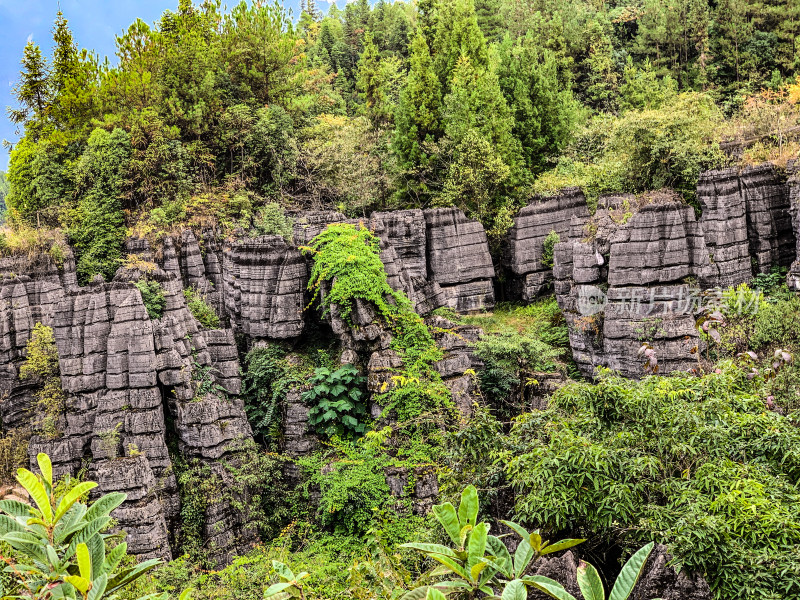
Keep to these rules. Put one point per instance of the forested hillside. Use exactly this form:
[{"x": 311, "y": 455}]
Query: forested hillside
[
  {"x": 372, "y": 302},
  {"x": 209, "y": 113}
]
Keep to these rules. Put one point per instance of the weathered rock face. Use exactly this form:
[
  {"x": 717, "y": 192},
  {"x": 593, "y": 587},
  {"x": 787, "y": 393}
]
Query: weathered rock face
[
  {"x": 724, "y": 222},
  {"x": 30, "y": 291},
  {"x": 632, "y": 282},
  {"x": 526, "y": 239},
  {"x": 746, "y": 222},
  {"x": 121, "y": 372},
  {"x": 268, "y": 280},
  {"x": 793, "y": 183},
  {"x": 659, "y": 580},
  {"x": 458, "y": 260}
]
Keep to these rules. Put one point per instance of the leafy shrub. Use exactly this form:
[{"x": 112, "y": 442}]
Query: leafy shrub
[
  {"x": 687, "y": 460},
  {"x": 267, "y": 379},
  {"x": 60, "y": 548},
  {"x": 272, "y": 220},
  {"x": 268, "y": 505},
  {"x": 337, "y": 407},
  {"x": 773, "y": 284},
  {"x": 13, "y": 453},
  {"x": 204, "y": 382},
  {"x": 347, "y": 258},
  {"x": 41, "y": 364},
  {"x": 777, "y": 324},
  {"x": 478, "y": 562},
  {"x": 349, "y": 480},
  {"x": 153, "y": 297},
  {"x": 109, "y": 441},
  {"x": 547, "y": 252},
  {"x": 200, "y": 309}
]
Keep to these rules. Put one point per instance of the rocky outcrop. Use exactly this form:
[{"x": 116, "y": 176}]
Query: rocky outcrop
[
  {"x": 265, "y": 298},
  {"x": 631, "y": 279},
  {"x": 746, "y": 221},
  {"x": 724, "y": 222},
  {"x": 660, "y": 580},
  {"x": 458, "y": 260},
  {"x": 30, "y": 292},
  {"x": 793, "y": 183},
  {"x": 530, "y": 276},
  {"x": 768, "y": 220}
]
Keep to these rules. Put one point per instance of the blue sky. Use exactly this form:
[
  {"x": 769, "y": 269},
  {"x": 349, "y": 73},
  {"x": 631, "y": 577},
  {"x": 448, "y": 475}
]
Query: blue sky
[{"x": 94, "y": 24}]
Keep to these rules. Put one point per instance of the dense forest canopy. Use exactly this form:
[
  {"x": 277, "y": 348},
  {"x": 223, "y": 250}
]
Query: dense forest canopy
[{"x": 477, "y": 103}]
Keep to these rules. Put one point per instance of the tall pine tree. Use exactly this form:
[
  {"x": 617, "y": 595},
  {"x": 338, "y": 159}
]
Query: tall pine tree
[{"x": 33, "y": 91}]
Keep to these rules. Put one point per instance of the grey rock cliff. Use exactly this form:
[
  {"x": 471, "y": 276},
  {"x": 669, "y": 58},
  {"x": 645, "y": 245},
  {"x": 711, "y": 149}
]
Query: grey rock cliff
[{"x": 530, "y": 277}]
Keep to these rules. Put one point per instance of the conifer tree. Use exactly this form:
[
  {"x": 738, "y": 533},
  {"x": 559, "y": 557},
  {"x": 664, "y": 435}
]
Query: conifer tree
[
  {"x": 457, "y": 35},
  {"x": 417, "y": 118},
  {"x": 368, "y": 78},
  {"x": 33, "y": 90}
]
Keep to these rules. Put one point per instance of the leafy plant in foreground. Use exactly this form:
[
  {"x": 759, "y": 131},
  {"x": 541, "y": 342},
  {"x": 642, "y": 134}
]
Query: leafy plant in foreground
[
  {"x": 592, "y": 587},
  {"x": 289, "y": 585},
  {"x": 59, "y": 550},
  {"x": 477, "y": 571}
]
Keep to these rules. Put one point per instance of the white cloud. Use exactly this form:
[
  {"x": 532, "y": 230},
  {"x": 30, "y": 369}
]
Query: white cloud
[{"x": 30, "y": 38}]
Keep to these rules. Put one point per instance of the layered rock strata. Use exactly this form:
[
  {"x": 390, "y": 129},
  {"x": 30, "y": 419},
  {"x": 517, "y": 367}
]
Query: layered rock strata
[
  {"x": 530, "y": 276},
  {"x": 458, "y": 260},
  {"x": 746, "y": 220},
  {"x": 632, "y": 279}
]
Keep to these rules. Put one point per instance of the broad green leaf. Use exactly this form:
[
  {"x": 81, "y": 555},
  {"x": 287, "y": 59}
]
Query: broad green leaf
[
  {"x": 125, "y": 576},
  {"x": 84, "y": 561},
  {"x": 114, "y": 556},
  {"x": 417, "y": 594},
  {"x": 477, "y": 544},
  {"x": 630, "y": 573},
  {"x": 462, "y": 535},
  {"x": 52, "y": 557},
  {"x": 519, "y": 530},
  {"x": 476, "y": 570},
  {"x": 97, "y": 555},
  {"x": 515, "y": 590},
  {"x": 589, "y": 582},
  {"x": 46, "y": 467},
  {"x": 81, "y": 584},
  {"x": 35, "y": 488},
  {"x": 562, "y": 545},
  {"x": 468, "y": 509},
  {"x": 15, "y": 508},
  {"x": 282, "y": 570},
  {"x": 454, "y": 584},
  {"x": 430, "y": 549},
  {"x": 446, "y": 515},
  {"x": 522, "y": 558},
  {"x": 434, "y": 594},
  {"x": 71, "y": 497},
  {"x": 535, "y": 541},
  {"x": 186, "y": 594},
  {"x": 453, "y": 565},
  {"x": 98, "y": 588},
  {"x": 502, "y": 560},
  {"x": 63, "y": 591},
  {"x": 276, "y": 588},
  {"x": 103, "y": 506},
  {"x": 93, "y": 527},
  {"x": 7, "y": 525},
  {"x": 548, "y": 586}
]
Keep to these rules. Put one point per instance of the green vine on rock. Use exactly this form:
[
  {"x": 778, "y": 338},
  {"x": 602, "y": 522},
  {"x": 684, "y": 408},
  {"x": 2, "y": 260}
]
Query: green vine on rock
[{"x": 347, "y": 257}]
